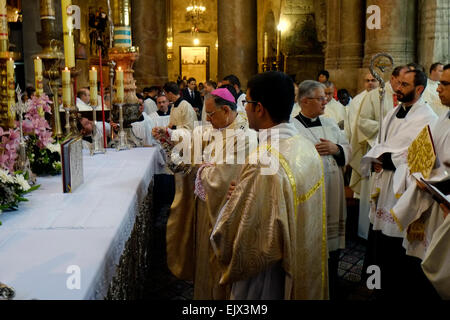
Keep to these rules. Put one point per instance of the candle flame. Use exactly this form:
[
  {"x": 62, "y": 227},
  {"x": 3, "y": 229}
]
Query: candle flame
[
  {"x": 10, "y": 59},
  {"x": 120, "y": 68},
  {"x": 37, "y": 58},
  {"x": 93, "y": 68},
  {"x": 66, "y": 69}
]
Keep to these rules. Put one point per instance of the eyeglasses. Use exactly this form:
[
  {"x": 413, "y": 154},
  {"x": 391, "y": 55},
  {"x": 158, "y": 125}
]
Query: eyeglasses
[
  {"x": 210, "y": 114},
  {"x": 321, "y": 99},
  {"x": 244, "y": 102},
  {"x": 444, "y": 83}
]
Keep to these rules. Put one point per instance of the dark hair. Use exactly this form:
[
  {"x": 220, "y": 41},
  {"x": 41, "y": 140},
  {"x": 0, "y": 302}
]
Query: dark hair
[
  {"x": 161, "y": 95},
  {"x": 30, "y": 90},
  {"x": 340, "y": 92},
  {"x": 191, "y": 79},
  {"x": 416, "y": 66},
  {"x": 139, "y": 96},
  {"x": 79, "y": 125},
  {"x": 211, "y": 84},
  {"x": 233, "y": 80},
  {"x": 220, "y": 102},
  {"x": 447, "y": 66},
  {"x": 231, "y": 89},
  {"x": 396, "y": 71},
  {"x": 82, "y": 92},
  {"x": 434, "y": 66},
  {"x": 275, "y": 91},
  {"x": 172, "y": 87},
  {"x": 325, "y": 73},
  {"x": 328, "y": 84},
  {"x": 150, "y": 89},
  {"x": 420, "y": 78}
]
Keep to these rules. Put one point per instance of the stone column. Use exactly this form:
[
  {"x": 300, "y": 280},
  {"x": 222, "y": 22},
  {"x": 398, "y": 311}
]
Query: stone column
[
  {"x": 150, "y": 35},
  {"x": 344, "y": 51},
  {"x": 236, "y": 24},
  {"x": 333, "y": 34},
  {"x": 434, "y": 31},
  {"x": 351, "y": 26},
  {"x": 397, "y": 33}
]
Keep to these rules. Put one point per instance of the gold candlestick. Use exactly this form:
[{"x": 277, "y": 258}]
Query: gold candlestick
[{"x": 52, "y": 57}]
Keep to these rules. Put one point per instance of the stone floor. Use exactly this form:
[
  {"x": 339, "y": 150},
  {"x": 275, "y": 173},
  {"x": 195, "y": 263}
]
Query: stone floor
[{"x": 164, "y": 286}]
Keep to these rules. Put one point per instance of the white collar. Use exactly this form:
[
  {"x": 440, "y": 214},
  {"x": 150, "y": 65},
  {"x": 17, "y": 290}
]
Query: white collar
[{"x": 312, "y": 119}]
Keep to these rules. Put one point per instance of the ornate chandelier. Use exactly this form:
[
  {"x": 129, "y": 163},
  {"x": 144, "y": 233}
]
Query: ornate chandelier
[{"x": 195, "y": 14}]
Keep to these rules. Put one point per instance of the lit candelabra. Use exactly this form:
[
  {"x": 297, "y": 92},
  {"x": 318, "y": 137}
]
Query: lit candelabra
[{"x": 195, "y": 13}]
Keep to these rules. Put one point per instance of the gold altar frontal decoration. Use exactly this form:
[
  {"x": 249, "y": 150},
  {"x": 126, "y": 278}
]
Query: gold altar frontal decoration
[{"x": 6, "y": 117}]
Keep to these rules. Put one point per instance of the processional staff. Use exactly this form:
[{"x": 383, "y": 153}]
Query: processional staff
[{"x": 380, "y": 79}]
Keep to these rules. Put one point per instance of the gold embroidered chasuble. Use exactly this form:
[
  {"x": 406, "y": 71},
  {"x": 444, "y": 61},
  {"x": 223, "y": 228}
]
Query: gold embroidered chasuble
[
  {"x": 189, "y": 253},
  {"x": 277, "y": 219}
]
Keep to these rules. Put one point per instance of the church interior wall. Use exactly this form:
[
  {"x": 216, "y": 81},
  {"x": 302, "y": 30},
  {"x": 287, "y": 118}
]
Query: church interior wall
[
  {"x": 305, "y": 43},
  {"x": 182, "y": 36}
]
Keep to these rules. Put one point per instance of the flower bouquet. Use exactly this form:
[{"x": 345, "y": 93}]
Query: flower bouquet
[
  {"x": 44, "y": 156},
  {"x": 9, "y": 141},
  {"x": 12, "y": 189}
]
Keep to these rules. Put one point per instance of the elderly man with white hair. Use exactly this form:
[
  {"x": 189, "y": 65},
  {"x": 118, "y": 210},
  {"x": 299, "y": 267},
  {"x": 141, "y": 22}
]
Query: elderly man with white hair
[{"x": 333, "y": 146}]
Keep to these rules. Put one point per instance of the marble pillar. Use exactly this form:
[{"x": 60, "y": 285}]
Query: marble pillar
[
  {"x": 150, "y": 35},
  {"x": 237, "y": 37},
  {"x": 434, "y": 32},
  {"x": 397, "y": 35}
]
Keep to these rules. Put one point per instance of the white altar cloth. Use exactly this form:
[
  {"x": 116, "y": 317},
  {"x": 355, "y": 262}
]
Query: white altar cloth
[{"x": 88, "y": 228}]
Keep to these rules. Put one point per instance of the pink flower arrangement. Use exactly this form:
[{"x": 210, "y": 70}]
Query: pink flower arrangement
[
  {"x": 9, "y": 142},
  {"x": 35, "y": 123}
]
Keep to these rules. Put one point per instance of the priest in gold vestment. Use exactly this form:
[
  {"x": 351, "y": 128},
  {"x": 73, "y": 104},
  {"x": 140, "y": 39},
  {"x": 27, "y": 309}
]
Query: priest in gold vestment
[
  {"x": 270, "y": 237},
  {"x": 201, "y": 189}
]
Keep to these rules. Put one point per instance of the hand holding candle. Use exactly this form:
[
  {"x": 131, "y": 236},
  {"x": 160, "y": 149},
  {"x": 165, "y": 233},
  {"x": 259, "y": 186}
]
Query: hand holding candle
[{"x": 93, "y": 87}]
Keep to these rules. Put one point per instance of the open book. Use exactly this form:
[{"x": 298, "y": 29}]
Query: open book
[{"x": 440, "y": 195}]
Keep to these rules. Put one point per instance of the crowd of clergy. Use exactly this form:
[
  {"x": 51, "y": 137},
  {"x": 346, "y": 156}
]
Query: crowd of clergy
[{"x": 239, "y": 232}]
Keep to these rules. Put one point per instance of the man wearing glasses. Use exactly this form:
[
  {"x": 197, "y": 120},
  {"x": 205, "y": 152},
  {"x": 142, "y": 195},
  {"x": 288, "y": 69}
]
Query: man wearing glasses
[
  {"x": 332, "y": 145},
  {"x": 334, "y": 109},
  {"x": 418, "y": 205},
  {"x": 269, "y": 236},
  {"x": 201, "y": 191}
]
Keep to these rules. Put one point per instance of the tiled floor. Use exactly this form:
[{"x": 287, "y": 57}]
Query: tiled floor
[{"x": 163, "y": 285}]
